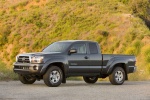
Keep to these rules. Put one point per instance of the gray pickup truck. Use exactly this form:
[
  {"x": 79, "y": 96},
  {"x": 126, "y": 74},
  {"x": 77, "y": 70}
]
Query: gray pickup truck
[{"x": 63, "y": 59}]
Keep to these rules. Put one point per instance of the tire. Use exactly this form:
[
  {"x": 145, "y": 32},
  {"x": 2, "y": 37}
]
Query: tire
[
  {"x": 26, "y": 79},
  {"x": 117, "y": 77},
  {"x": 90, "y": 80},
  {"x": 53, "y": 77}
]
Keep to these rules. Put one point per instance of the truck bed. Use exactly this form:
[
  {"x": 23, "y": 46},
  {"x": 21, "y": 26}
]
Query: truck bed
[{"x": 108, "y": 57}]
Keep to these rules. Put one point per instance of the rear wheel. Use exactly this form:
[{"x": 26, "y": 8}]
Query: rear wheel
[
  {"x": 53, "y": 77},
  {"x": 92, "y": 79},
  {"x": 117, "y": 77},
  {"x": 27, "y": 79}
]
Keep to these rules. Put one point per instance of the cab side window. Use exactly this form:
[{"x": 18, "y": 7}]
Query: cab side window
[
  {"x": 93, "y": 48},
  {"x": 81, "y": 48}
]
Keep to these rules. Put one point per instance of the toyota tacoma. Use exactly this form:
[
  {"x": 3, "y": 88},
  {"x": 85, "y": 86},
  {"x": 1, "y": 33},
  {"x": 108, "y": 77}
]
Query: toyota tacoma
[{"x": 64, "y": 59}]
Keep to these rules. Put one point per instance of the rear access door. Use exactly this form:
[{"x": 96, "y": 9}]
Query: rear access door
[{"x": 95, "y": 61}]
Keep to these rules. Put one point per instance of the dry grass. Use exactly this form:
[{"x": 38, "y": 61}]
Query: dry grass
[{"x": 33, "y": 24}]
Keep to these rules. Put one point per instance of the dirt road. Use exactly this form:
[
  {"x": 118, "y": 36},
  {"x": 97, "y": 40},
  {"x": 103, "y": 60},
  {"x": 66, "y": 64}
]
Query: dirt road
[{"x": 75, "y": 90}]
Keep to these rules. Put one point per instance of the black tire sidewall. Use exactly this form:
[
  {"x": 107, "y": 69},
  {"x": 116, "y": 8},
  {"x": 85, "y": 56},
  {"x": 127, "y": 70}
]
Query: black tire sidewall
[
  {"x": 88, "y": 80},
  {"x": 47, "y": 76},
  {"x": 112, "y": 76},
  {"x": 24, "y": 80}
]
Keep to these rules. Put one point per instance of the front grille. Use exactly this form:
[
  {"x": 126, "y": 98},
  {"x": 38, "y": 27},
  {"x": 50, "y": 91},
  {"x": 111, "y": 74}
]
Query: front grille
[
  {"x": 24, "y": 59},
  {"x": 21, "y": 67}
]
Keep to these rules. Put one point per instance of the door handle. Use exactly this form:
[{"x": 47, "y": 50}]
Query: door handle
[{"x": 86, "y": 57}]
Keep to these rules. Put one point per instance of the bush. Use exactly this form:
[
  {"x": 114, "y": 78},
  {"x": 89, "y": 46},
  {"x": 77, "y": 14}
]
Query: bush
[
  {"x": 4, "y": 33},
  {"x": 103, "y": 33},
  {"x": 147, "y": 54},
  {"x": 112, "y": 23},
  {"x": 139, "y": 7},
  {"x": 130, "y": 50},
  {"x": 22, "y": 4},
  {"x": 39, "y": 24},
  {"x": 31, "y": 17},
  {"x": 14, "y": 53},
  {"x": 6, "y": 74},
  {"x": 124, "y": 1},
  {"x": 137, "y": 44},
  {"x": 148, "y": 68},
  {"x": 2, "y": 12},
  {"x": 99, "y": 39}
]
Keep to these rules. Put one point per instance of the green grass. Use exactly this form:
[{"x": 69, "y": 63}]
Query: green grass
[
  {"x": 6, "y": 74},
  {"x": 75, "y": 78},
  {"x": 115, "y": 24},
  {"x": 147, "y": 55}
]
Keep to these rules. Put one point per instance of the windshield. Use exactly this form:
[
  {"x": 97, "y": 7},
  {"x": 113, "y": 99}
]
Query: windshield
[{"x": 57, "y": 47}]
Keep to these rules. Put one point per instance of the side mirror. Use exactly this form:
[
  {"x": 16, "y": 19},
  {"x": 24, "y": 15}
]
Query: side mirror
[{"x": 72, "y": 51}]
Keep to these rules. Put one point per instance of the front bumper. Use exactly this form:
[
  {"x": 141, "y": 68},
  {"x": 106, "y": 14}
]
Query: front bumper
[{"x": 27, "y": 68}]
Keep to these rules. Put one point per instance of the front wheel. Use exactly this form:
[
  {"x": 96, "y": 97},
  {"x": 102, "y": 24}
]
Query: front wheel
[
  {"x": 53, "y": 77},
  {"x": 117, "y": 77},
  {"x": 92, "y": 79},
  {"x": 27, "y": 79}
]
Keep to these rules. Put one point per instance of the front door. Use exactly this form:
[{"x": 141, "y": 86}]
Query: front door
[{"x": 78, "y": 62}]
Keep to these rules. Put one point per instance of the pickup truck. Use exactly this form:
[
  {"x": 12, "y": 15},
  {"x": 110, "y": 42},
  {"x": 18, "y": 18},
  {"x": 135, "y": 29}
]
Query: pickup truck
[{"x": 64, "y": 59}]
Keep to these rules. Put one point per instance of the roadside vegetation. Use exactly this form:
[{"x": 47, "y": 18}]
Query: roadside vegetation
[
  {"x": 119, "y": 26},
  {"x": 6, "y": 74}
]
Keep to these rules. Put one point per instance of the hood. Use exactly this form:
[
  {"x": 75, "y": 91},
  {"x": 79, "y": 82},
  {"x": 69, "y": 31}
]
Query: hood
[{"x": 38, "y": 53}]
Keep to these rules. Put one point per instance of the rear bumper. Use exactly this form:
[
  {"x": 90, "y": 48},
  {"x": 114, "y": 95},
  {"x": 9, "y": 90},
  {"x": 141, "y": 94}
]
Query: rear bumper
[
  {"x": 132, "y": 69},
  {"x": 27, "y": 68}
]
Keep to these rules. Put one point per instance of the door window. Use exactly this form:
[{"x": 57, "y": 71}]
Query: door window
[{"x": 81, "y": 48}]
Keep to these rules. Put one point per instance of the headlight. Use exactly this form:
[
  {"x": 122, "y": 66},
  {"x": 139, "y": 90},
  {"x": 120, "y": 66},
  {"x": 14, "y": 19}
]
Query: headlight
[{"x": 37, "y": 59}]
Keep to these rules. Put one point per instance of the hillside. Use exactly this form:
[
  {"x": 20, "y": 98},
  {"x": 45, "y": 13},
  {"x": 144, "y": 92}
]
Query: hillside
[{"x": 119, "y": 26}]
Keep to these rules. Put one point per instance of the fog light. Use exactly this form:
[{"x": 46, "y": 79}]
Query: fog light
[{"x": 35, "y": 67}]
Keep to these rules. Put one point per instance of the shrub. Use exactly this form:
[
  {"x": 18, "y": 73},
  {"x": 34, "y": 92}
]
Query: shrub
[
  {"x": 124, "y": 1},
  {"x": 22, "y": 4},
  {"x": 14, "y": 52},
  {"x": 32, "y": 17},
  {"x": 99, "y": 39},
  {"x": 137, "y": 44},
  {"x": 37, "y": 1},
  {"x": 6, "y": 73},
  {"x": 103, "y": 33},
  {"x": 148, "y": 68},
  {"x": 139, "y": 7},
  {"x": 130, "y": 50},
  {"x": 39, "y": 24},
  {"x": 4, "y": 33},
  {"x": 116, "y": 45},
  {"x": 147, "y": 54},
  {"x": 2, "y": 12}
]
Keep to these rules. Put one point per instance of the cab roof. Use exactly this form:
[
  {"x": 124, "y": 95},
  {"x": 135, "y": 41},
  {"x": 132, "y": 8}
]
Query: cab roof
[{"x": 76, "y": 41}]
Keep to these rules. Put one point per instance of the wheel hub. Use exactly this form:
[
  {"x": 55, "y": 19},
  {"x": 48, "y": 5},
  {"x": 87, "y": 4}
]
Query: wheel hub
[
  {"x": 92, "y": 78},
  {"x": 119, "y": 76},
  {"x": 54, "y": 76}
]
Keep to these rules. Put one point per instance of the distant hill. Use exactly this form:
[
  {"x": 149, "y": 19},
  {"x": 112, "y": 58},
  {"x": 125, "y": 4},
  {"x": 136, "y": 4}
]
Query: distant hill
[{"x": 119, "y": 26}]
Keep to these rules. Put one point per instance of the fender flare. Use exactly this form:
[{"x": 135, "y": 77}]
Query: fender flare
[
  {"x": 114, "y": 62},
  {"x": 54, "y": 60}
]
